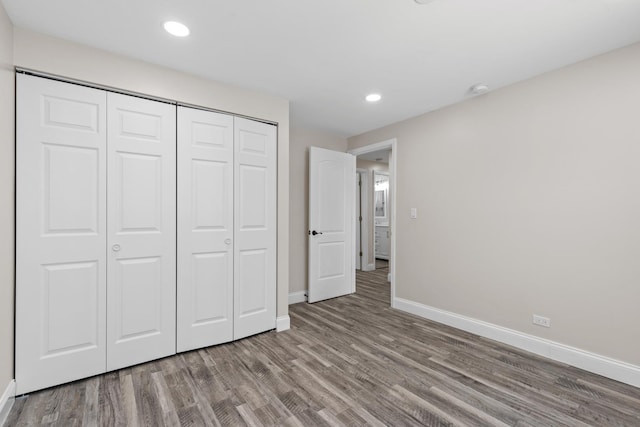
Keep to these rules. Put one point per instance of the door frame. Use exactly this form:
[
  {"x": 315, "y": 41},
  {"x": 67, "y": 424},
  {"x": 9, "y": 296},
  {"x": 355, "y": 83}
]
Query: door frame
[
  {"x": 364, "y": 211},
  {"x": 392, "y": 145}
]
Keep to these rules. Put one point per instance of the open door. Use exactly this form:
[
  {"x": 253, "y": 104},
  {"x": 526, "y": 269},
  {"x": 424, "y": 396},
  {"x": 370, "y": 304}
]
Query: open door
[{"x": 331, "y": 224}]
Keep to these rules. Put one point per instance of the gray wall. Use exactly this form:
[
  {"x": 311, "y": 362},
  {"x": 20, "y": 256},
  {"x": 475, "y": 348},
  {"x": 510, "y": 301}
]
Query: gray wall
[{"x": 529, "y": 202}]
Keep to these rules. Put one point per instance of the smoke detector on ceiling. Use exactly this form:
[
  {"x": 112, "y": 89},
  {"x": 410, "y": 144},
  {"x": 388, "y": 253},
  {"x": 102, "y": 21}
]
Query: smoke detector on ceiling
[{"x": 479, "y": 89}]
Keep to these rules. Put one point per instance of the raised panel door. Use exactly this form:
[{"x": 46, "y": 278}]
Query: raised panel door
[
  {"x": 205, "y": 228},
  {"x": 60, "y": 233},
  {"x": 255, "y": 231},
  {"x": 142, "y": 230},
  {"x": 331, "y": 220}
]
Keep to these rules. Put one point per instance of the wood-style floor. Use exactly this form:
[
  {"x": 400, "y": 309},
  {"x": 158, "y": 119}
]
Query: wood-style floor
[{"x": 347, "y": 361}]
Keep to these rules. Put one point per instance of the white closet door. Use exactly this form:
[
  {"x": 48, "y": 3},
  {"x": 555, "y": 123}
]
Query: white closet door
[
  {"x": 205, "y": 228},
  {"x": 255, "y": 230},
  {"x": 141, "y": 242},
  {"x": 61, "y": 233}
]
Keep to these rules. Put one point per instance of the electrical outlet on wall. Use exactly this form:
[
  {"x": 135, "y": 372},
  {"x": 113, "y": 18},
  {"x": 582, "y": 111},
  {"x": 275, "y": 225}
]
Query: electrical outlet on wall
[{"x": 541, "y": 321}]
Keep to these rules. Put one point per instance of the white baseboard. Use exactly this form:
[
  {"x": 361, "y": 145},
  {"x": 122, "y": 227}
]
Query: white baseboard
[
  {"x": 601, "y": 365},
  {"x": 6, "y": 401},
  {"x": 296, "y": 297},
  {"x": 283, "y": 323},
  {"x": 368, "y": 267}
]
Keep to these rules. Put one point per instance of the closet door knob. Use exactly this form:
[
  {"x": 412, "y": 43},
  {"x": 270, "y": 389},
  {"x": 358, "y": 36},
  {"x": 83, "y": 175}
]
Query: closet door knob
[
  {"x": 227, "y": 241},
  {"x": 116, "y": 248}
]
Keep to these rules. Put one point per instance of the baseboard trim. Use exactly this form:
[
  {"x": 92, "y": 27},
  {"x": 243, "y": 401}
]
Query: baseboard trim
[
  {"x": 283, "y": 323},
  {"x": 601, "y": 365},
  {"x": 6, "y": 401},
  {"x": 296, "y": 297},
  {"x": 369, "y": 267}
]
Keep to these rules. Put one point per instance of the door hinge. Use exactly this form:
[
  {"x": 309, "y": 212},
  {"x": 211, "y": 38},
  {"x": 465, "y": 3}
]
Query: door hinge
[
  {"x": 360, "y": 253},
  {"x": 360, "y": 218}
]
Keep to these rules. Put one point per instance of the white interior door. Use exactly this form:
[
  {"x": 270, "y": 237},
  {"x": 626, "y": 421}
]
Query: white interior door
[
  {"x": 61, "y": 233},
  {"x": 205, "y": 229},
  {"x": 331, "y": 224},
  {"x": 255, "y": 227},
  {"x": 141, "y": 299}
]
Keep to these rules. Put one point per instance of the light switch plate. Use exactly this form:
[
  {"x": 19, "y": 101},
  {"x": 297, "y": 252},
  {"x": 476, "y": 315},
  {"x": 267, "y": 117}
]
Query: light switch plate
[{"x": 414, "y": 213}]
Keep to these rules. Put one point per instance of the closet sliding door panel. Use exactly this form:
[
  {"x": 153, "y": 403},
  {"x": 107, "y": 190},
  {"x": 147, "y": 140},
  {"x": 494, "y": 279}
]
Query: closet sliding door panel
[
  {"x": 255, "y": 227},
  {"x": 61, "y": 233},
  {"x": 141, "y": 242},
  {"x": 205, "y": 229}
]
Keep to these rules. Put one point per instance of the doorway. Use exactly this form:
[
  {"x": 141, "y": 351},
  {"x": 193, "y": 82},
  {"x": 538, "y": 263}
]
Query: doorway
[{"x": 376, "y": 165}]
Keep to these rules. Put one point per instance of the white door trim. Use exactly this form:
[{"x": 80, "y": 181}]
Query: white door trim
[
  {"x": 283, "y": 323},
  {"x": 364, "y": 203},
  {"x": 6, "y": 401},
  {"x": 391, "y": 144}
]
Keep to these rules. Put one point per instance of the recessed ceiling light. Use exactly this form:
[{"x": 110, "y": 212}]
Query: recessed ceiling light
[
  {"x": 374, "y": 97},
  {"x": 423, "y": 1},
  {"x": 176, "y": 29}
]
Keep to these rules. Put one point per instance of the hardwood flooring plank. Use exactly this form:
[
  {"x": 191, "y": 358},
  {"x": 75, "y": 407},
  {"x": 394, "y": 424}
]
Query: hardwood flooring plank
[
  {"x": 248, "y": 416},
  {"x": 169, "y": 413},
  {"x": 192, "y": 416},
  {"x": 91, "y": 408},
  {"x": 309, "y": 417},
  {"x": 368, "y": 418},
  {"x": 481, "y": 414},
  {"x": 150, "y": 411},
  {"x": 226, "y": 413},
  {"x": 268, "y": 415},
  {"x": 129, "y": 398},
  {"x": 420, "y": 411},
  {"x": 203, "y": 405},
  {"x": 111, "y": 409},
  {"x": 329, "y": 418},
  {"x": 293, "y": 421},
  {"x": 181, "y": 395}
]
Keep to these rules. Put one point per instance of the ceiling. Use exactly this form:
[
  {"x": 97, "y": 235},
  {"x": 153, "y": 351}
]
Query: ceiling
[{"x": 325, "y": 56}]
